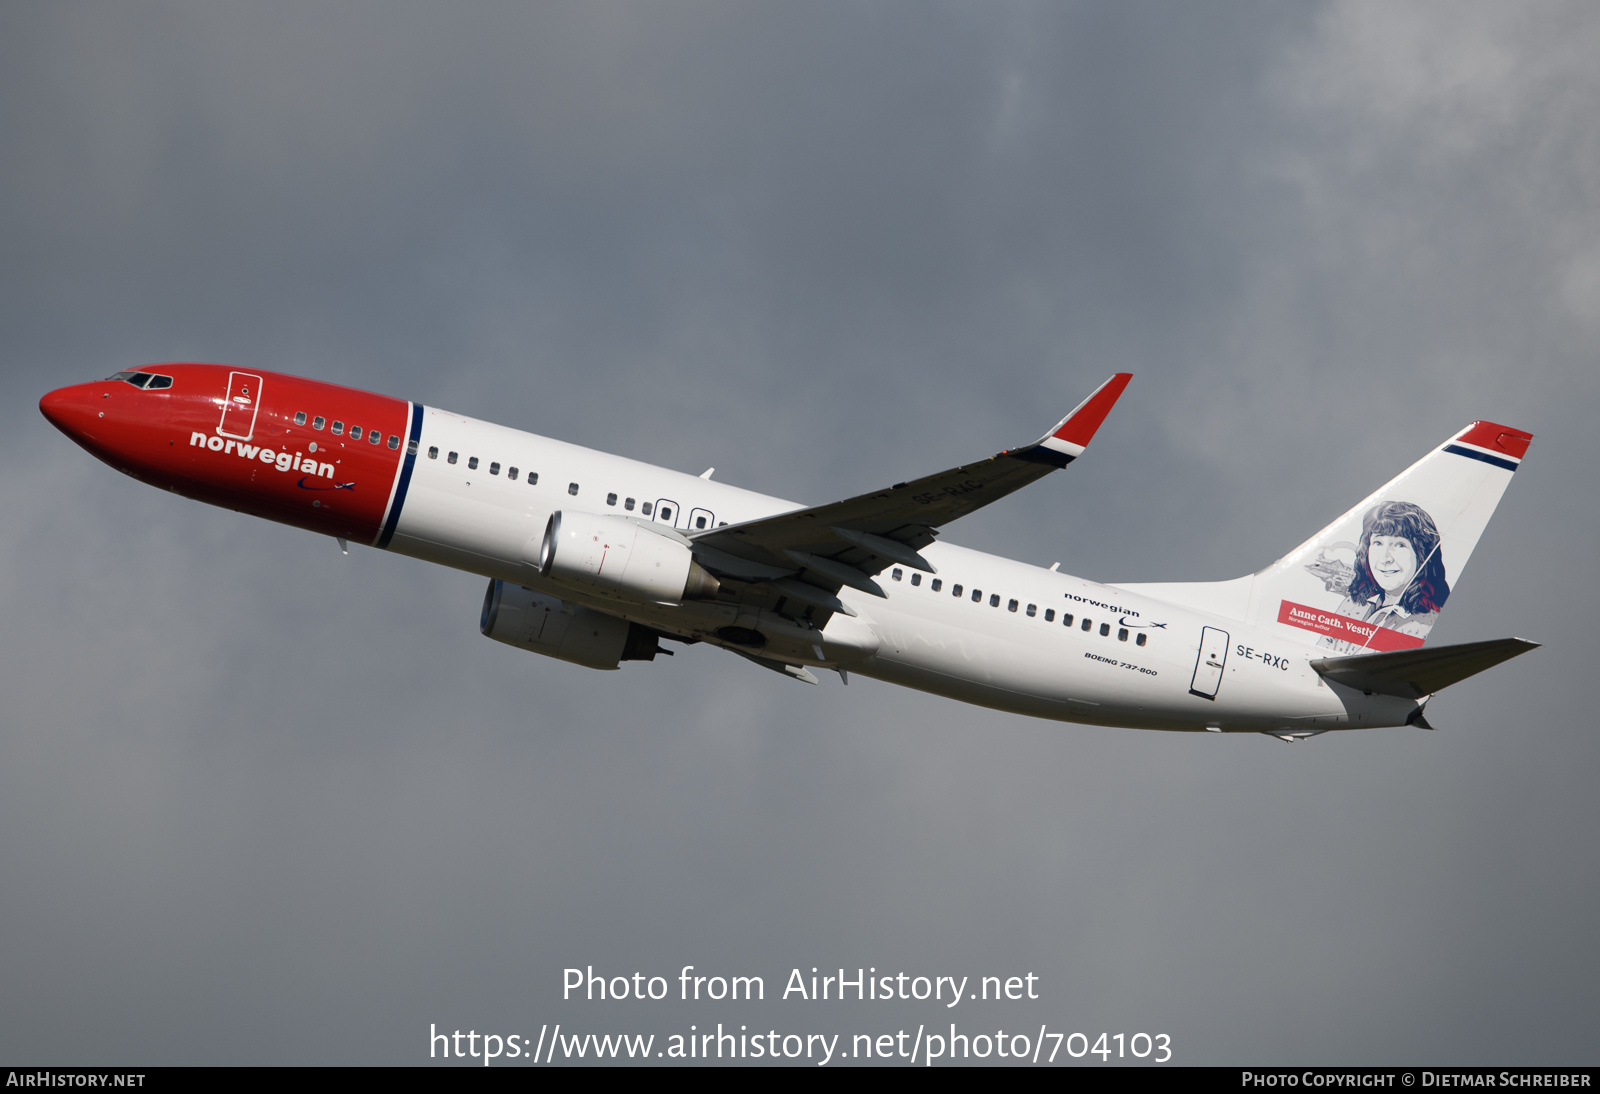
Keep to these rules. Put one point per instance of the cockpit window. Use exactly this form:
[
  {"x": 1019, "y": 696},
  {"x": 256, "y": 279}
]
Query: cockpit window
[{"x": 143, "y": 379}]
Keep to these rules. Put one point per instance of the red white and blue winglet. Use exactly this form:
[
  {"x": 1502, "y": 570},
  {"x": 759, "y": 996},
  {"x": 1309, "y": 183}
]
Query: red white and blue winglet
[
  {"x": 1499, "y": 445},
  {"x": 1072, "y": 434}
]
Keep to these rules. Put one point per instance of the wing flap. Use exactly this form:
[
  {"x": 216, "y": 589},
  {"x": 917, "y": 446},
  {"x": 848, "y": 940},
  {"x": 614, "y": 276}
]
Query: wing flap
[{"x": 1413, "y": 674}]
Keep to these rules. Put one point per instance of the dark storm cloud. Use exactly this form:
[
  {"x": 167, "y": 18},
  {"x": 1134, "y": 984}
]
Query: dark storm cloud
[{"x": 262, "y": 802}]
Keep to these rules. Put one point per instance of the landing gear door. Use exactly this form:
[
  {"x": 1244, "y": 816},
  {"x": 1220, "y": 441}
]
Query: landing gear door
[{"x": 1208, "y": 665}]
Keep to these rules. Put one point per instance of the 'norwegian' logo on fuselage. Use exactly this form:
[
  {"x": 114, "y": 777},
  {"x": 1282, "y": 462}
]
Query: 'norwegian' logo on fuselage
[{"x": 283, "y": 461}]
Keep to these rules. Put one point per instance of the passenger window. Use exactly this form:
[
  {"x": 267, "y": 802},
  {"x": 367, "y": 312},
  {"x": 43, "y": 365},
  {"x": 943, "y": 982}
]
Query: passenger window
[
  {"x": 355, "y": 433},
  {"x": 700, "y": 522},
  {"x": 411, "y": 448},
  {"x": 1033, "y": 610},
  {"x": 977, "y": 596},
  {"x": 1105, "y": 629},
  {"x": 300, "y": 417},
  {"x": 511, "y": 473},
  {"x": 1139, "y": 641},
  {"x": 645, "y": 508},
  {"x": 433, "y": 452},
  {"x": 394, "y": 442},
  {"x": 955, "y": 590},
  {"x": 666, "y": 514},
  {"x": 916, "y": 579},
  {"x": 338, "y": 428},
  {"x": 935, "y": 583},
  {"x": 994, "y": 601},
  {"x": 611, "y": 499},
  {"x": 533, "y": 478},
  {"x": 1122, "y": 634},
  {"x": 318, "y": 422},
  {"x": 472, "y": 463},
  {"x": 494, "y": 468},
  {"x": 450, "y": 458},
  {"x": 572, "y": 488},
  {"x": 1011, "y": 606},
  {"x": 627, "y": 503},
  {"x": 897, "y": 573},
  {"x": 376, "y": 437},
  {"x": 1049, "y": 615},
  {"x": 1086, "y": 624}
]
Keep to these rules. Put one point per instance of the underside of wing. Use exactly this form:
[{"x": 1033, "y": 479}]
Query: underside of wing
[
  {"x": 808, "y": 555},
  {"x": 1413, "y": 674}
]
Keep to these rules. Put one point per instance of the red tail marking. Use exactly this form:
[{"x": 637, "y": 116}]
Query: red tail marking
[
  {"x": 1513, "y": 442},
  {"x": 1334, "y": 625}
]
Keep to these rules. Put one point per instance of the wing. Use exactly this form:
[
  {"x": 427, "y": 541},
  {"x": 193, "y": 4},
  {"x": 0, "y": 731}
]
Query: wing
[{"x": 809, "y": 554}]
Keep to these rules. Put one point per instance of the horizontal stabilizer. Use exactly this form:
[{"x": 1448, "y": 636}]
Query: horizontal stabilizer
[{"x": 1412, "y": 674}]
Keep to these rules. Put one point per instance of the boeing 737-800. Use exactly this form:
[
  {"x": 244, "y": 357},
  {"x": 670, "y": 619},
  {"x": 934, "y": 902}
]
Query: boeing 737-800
[{"x": 594, "y": 559}]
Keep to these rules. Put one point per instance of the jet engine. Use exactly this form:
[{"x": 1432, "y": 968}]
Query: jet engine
[
  {"x": 621, "y": 558},
  {"x": 570, "y": 632}
]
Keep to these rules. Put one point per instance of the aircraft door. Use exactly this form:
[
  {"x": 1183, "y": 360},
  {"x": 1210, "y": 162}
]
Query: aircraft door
[
  {"x": 667, "y": 512},
  {"x": 1208, "y": 665},
  {"x": 239, "y": 408},
  {"x": 700, "y": 520}
]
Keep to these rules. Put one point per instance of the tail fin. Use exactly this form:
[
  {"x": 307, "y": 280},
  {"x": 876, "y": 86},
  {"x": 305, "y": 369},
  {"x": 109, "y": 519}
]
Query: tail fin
[{"x": 1377, "y": 578}]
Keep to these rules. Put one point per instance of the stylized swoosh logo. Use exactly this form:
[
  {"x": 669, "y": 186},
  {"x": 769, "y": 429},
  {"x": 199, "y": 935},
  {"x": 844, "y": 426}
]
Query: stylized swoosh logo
[
  {"x": 335, "y": 486},
  {"x": 1126, "y": 623}
]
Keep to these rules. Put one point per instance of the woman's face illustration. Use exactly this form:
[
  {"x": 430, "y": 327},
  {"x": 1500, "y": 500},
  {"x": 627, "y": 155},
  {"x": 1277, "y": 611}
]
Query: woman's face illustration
[{"x": 1393, "y": 563}]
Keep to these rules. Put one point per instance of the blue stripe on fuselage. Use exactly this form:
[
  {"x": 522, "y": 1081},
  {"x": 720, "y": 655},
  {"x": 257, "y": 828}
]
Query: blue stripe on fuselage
[{"x": 405, "y": 478}]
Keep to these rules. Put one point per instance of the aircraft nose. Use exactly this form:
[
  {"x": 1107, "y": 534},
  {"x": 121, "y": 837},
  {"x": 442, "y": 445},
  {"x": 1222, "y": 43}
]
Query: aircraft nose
[{"x": 70, "y": 409}]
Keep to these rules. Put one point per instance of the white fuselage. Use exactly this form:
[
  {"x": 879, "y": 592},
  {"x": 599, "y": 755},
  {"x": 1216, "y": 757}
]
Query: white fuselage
[{"x": 1009, "y": 649}]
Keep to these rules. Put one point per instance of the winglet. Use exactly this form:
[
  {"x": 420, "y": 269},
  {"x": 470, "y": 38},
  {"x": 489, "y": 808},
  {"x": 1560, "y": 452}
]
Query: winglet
[{"x": 1072, "y": 434}]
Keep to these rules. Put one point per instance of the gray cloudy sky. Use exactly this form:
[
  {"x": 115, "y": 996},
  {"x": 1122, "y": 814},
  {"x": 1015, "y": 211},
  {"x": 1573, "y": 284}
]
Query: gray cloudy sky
[{"x": 260, "y": 802}]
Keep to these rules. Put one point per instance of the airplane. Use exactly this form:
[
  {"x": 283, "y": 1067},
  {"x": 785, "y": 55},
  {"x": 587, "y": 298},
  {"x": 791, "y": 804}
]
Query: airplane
[{"x": 595, "y": 559}]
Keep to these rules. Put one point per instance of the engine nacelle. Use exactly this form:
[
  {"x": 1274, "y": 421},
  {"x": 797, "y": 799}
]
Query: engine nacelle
[
  {"x": 532, "y": 621},
  {"x": 621, "y": 558}
]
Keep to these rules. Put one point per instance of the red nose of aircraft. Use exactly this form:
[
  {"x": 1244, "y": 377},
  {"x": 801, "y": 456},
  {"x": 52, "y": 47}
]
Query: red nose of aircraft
[{"x": 75, "y": 410}]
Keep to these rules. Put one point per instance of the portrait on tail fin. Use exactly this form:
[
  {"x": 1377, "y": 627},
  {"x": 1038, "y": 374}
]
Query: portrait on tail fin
[{"x": 1398, "y": 580}]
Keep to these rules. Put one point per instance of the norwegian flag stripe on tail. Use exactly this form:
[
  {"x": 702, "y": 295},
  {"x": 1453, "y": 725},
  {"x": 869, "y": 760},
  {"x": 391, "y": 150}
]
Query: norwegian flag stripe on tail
[{"x": 1499, "y": 445}]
